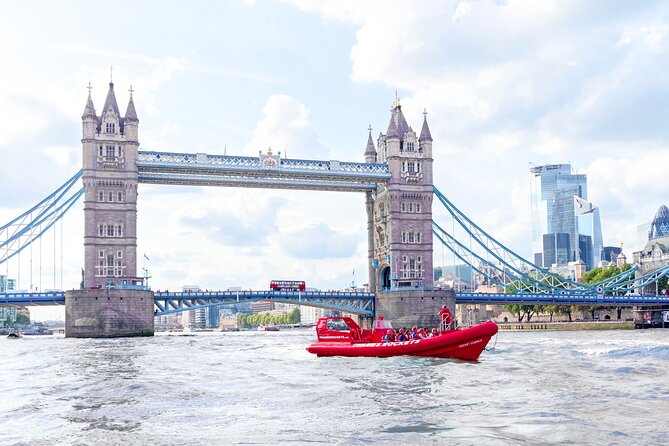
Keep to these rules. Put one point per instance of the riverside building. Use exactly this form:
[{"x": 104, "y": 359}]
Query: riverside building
[{"x": 655, "y": 253}]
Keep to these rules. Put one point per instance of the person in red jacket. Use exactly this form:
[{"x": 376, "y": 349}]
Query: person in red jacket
[{"x": 446, "y": 318}]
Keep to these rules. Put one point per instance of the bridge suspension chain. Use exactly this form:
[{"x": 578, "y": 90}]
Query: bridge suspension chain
[
  {"x": 511, "y": 271},
  {"x": 28, "y": 227}
]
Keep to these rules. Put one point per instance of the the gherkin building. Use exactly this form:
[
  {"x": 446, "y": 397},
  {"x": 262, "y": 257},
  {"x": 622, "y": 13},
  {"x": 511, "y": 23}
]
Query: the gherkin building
[{"x": 660, "y": 226}]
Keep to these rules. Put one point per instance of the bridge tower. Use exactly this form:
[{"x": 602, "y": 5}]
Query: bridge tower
[
  {"x": 110, "y": 177},
  {"x": 400, "y": 242}
]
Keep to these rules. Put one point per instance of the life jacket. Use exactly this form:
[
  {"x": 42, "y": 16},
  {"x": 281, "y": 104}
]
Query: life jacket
[
  {"x": 401, "y": 337},
  {"x": 445, "y": 315}
]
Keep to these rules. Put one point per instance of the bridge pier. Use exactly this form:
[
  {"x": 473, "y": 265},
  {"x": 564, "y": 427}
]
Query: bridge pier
[
  {"x": 108, "y": 313},
  {"x": 408, "y": 308}
]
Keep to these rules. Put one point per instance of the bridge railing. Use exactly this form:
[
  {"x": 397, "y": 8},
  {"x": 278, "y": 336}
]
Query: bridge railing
[{"x": 152, "y": 158}]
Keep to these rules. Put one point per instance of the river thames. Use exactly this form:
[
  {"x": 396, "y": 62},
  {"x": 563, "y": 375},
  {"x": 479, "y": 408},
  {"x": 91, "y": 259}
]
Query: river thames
[{"x": 533, "y": 387}]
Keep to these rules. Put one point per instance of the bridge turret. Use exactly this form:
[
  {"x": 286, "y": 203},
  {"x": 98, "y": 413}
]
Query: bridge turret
[
  {"x": 89, "y": 118},
  {"x": 131, "y": 121},
  {"x": 370, "y": 151},
  {"x": 425, "y": 140}
]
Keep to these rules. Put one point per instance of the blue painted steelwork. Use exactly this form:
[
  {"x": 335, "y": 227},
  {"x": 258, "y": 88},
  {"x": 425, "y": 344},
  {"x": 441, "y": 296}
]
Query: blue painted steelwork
[
  {"x": 32, "y": 224},
  {"x": 507, "y": 269},
  {"x": 558, "y": 299},
  {"x": 200, "y": 169},
  {"x": 170, "y": 302},
  {"x": 511, "y": 271},
  {"x": 350, "y": 302},
  {"x": 32, "y": 299}
]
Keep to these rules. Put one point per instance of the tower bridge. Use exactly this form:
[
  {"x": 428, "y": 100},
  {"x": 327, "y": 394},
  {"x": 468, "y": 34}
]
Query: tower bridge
[{"x": 396, "y": 179}]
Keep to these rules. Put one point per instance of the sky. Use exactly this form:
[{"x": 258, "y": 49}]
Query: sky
[{"x": 505, "y": 84}]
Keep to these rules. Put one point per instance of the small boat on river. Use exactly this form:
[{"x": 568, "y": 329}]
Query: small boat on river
[
  {"x": 342, "y": 336},
  {"x": 268, "y": 328},
  {"x": 14, "y": 333}
]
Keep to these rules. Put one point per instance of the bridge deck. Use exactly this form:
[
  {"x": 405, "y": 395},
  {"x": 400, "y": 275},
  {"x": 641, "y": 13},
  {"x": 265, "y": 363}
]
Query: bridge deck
[
  {"x": 200, "y": 169},
  {"x": 354, "y": 302},
  {"x": 559, "y": 299}
]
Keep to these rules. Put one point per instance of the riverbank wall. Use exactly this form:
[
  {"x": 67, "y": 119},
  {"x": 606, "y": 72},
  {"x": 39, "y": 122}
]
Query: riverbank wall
[{"x": 596, "y": 325}]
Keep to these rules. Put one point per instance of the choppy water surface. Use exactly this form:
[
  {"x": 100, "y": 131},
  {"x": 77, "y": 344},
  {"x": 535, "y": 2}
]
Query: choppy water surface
[{"x": 608, "y": 387}]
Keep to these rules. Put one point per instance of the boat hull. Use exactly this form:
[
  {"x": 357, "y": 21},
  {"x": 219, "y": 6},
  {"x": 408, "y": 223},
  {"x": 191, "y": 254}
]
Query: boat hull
[{"x": 464, "y": 344}]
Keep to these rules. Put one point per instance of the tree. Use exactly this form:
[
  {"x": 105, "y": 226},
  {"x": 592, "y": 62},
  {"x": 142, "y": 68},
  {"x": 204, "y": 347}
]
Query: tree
[
  {"x": 522, "y": 311},
  {"x": 551, "y": 310},
  {"x": 531, "y": 310},
  {"x": 295, "y": 316},
  {"x": 515, "y": 309},
  {"x": 567, "y": 309},
  {"x": 22, "y": 319},
  {"x": 602, "y": 273}
]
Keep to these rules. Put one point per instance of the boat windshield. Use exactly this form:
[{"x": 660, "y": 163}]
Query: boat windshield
[{"x": 337, "y": 325}]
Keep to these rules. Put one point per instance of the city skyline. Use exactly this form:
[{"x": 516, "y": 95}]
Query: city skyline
[
  {"x": 565, "y": 226},
  {"x": 494, "y": 105}
]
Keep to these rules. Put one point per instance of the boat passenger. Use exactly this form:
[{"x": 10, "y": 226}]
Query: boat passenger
[
  {"x": 422, "y": 333},
  {"x": 401, "y": 337},
  {"x": 434, "y": 333},
  {"x": 414, "y": 333},
  {"x": 389, "y": 336}
]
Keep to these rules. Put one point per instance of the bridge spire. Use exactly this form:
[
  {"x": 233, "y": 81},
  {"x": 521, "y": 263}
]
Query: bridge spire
[
  {"x": 110, "y": 102},
  {"x": 425, "y": 134},
  {"x": 89, "y": 110},
  {"x": 370, "y": 151},
  {"x": 130, "y": 112}
]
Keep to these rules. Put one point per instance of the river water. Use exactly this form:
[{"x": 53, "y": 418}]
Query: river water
[{"x": 534, "y": 387}]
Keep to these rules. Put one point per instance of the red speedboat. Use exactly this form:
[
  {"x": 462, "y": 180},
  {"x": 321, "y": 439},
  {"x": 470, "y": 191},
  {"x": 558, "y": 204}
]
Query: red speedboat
[{"x": 341, "y": 336}]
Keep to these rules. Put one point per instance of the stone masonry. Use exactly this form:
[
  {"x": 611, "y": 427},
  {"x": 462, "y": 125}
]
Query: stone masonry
[
  {"x": 107, "y": 313},
  {"x": 408, "y": 308}
]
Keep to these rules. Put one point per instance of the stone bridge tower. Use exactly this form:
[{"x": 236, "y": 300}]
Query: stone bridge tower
[
  {"x": 111, "y": 301},
  {"x": 403, "y": 207},
  {"x": 400, "y": 219},
  {"x": 110, "y": 177}
]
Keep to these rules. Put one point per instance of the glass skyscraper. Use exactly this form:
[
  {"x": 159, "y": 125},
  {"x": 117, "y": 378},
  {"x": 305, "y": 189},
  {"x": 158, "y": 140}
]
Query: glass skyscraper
[{"x": 565, "y": 227}]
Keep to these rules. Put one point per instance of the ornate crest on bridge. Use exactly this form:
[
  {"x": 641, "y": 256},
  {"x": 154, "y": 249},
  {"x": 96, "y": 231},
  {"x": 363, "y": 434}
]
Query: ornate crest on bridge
[{"x": 269, "y": 160}]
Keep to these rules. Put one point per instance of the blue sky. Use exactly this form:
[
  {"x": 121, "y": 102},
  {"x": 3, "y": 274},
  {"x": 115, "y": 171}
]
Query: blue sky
[{"x": 505, "y": 83}]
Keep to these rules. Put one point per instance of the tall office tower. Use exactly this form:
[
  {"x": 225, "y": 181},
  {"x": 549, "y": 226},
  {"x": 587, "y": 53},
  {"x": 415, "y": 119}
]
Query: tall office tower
[
  {"x": 642, "y": 234},
  {"x": 565, "y": 227},
  {"x": 589, "y": 229}
]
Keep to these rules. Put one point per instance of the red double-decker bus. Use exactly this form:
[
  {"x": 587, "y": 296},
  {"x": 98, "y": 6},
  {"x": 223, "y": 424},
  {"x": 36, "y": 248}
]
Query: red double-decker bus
[{"x": 288, "y": 285}]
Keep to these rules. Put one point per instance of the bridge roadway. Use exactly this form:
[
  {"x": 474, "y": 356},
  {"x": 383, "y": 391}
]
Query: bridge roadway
[
  {"x": 559, "y": 299},
  {"x": 167, "y": 302}
]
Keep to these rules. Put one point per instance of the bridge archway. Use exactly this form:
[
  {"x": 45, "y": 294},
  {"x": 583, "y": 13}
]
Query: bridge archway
[{"x": 385, "y": 277}]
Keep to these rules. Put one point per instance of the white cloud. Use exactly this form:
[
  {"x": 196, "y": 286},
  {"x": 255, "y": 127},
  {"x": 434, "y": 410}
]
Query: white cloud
[
  {"x": 516, "y": 82},
  {"x": 461, "y": 11},
  {"x": 286, "y": 127}
]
